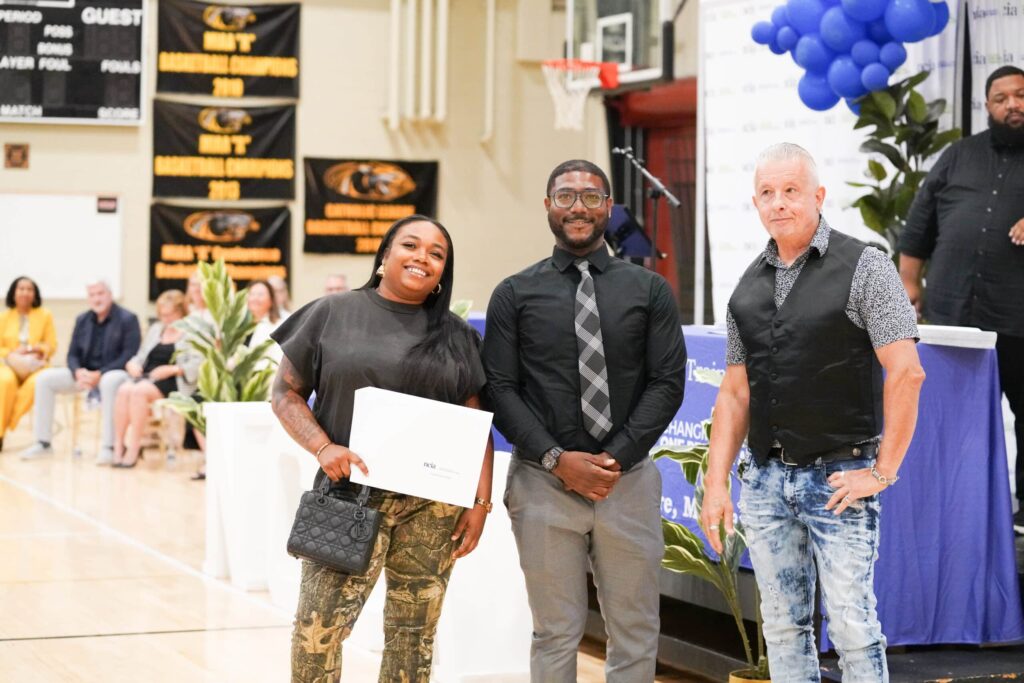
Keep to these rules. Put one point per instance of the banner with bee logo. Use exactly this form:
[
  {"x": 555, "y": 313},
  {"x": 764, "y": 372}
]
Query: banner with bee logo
[
  {"x": 223, "y": 153},
  {"x": 228, "y": 50},
  {"x": 350, "y": 203},
  {"x": 253, "y": 242}
]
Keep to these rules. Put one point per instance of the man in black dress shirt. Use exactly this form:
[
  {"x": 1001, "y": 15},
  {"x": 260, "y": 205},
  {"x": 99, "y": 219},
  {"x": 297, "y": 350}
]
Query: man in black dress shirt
[
  {"x": 585, "y": 367},
  {"x": 103, "y": 341},
  {"x": 968, "y": 222}
]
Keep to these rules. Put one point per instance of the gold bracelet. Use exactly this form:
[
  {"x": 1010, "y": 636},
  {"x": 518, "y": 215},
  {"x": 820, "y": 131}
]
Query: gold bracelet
[{"x": 321, "y": 449}]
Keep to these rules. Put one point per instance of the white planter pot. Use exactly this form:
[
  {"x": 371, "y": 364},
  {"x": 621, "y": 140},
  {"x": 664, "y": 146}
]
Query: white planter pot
[{"x": 238, "y": 488}]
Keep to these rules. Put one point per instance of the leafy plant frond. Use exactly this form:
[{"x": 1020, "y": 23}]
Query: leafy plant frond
[
  {"x": 187, "y": 407},
  {"x": 686, "y": 552},
  {"x": 229, "y": 371},
  {"x": 462, "y": 307},
  {"x": 906, "y": 134}
]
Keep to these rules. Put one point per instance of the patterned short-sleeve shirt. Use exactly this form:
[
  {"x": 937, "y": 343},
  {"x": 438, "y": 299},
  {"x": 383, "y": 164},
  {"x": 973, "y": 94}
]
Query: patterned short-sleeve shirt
[{"x": 878, "y": 302}]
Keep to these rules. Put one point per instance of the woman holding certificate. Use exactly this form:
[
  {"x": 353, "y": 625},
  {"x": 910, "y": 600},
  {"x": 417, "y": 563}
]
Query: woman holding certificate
[{"x": 394, "y": 333}]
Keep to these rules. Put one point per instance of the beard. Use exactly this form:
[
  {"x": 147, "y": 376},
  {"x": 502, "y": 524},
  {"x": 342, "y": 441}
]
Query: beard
[
  {"x": 1005, "y": 135},
  {"x": 578, "y": 243}
]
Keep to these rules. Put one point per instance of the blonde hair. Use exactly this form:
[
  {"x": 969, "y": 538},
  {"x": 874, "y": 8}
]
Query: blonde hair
[{"x": 174, "y": 298}]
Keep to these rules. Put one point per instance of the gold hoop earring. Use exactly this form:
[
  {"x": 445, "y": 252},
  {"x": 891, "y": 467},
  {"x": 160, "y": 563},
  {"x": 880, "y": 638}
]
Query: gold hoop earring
[
  {"x": 380, "y": 270},
  {"x": 437, "y": 290}
]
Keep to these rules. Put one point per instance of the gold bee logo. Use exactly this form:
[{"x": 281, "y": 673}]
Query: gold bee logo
[
  {"x": 373, "y": 180},
  {"x": 220, "y": 226},
  {"x": 222, "y": 18},
  {"x": 223, "y": 120}
]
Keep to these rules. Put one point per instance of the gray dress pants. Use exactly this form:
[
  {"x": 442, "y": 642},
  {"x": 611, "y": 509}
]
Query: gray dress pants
[
  {"x": 53, "y": 381},
  {"x": 560, "y": 536}
]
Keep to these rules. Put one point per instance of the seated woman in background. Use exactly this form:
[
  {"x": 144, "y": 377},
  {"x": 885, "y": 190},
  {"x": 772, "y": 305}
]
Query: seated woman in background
[
  {"x": 196, "y": 302},
  {"x": 155, "y": 376},
  {"x": 27, "y": 341},
  {"x": 263, "y": 306},
  {"x": 194, "y": 440}
]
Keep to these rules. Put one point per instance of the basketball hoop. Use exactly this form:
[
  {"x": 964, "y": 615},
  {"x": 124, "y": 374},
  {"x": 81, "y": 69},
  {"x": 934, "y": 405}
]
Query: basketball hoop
[{"x": 569, "y": 82}]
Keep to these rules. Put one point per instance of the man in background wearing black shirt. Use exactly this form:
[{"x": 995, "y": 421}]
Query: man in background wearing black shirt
[
  {"x": 585, "y": 366},
  {"x": 103, "y": 341},
  {"x": 967, "y": 220}
]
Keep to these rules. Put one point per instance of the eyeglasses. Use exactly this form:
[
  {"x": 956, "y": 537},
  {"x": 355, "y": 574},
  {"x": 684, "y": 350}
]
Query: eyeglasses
[{"x": 565, "y": 199}]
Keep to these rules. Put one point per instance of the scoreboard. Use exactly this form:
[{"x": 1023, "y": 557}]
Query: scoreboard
[{"x": 71, "y": 61}]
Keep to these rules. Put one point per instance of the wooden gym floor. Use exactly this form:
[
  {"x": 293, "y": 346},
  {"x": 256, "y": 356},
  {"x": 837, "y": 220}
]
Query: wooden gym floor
[{"x": 100, "y": 580}]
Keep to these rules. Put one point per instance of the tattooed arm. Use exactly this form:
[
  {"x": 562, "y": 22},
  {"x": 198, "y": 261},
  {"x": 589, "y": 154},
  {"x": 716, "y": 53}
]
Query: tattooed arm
[{"x": 289, "y": 400}]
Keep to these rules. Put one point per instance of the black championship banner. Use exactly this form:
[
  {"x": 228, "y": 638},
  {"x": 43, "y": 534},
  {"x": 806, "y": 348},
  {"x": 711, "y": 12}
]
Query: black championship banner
[
  {"x": 223, "y": 153},
  {"x": 77, "y": 61},
  {"x": 350, "y": 204},
  {"x": 254, "y": 243},
  {"x": 228, "y": 50}
]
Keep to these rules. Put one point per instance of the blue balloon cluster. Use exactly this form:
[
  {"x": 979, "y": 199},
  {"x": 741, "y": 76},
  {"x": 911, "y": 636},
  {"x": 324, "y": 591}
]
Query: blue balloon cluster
[{"x": 848, "y": 47}]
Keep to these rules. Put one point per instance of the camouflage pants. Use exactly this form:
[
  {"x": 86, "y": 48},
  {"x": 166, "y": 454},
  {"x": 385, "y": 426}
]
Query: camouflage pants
[{"x": 414, "y": 548}]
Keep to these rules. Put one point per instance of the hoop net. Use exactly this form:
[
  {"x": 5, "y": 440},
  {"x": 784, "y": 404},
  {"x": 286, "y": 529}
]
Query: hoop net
[{"x": 569, "y": 84}]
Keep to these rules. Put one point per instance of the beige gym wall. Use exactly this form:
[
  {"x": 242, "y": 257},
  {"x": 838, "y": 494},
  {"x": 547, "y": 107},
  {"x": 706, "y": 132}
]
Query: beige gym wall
[{"x": 490, "y": 194}]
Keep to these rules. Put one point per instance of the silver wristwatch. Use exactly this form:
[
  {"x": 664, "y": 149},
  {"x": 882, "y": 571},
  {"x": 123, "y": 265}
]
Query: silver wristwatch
[{"x": 549, "y": 460}]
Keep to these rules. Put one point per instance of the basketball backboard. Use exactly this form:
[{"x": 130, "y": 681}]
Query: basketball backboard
[{"x": 635, "y": 34}]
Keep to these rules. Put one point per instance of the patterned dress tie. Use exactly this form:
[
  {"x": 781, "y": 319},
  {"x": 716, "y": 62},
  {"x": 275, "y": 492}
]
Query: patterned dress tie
[{"x": 595, "y": 398}]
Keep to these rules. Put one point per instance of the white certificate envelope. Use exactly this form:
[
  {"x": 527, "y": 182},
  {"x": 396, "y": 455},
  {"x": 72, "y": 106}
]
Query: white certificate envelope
[{"x": 419, "y": 447}]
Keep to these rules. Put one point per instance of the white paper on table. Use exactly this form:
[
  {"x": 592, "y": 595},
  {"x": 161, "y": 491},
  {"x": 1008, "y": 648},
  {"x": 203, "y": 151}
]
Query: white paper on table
[{"x": 419, "y": 447}]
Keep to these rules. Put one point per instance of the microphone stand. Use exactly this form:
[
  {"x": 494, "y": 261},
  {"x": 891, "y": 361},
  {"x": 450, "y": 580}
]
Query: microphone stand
[{"x": 656, "y": 191}]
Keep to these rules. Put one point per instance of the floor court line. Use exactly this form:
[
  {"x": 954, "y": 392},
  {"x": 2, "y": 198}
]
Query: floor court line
[
  {"x": 48, "y": 534},
  {"x": 218, "y": 629},
  {"x": 92, "y": 579},
  {"x": 129, "y": 540}
]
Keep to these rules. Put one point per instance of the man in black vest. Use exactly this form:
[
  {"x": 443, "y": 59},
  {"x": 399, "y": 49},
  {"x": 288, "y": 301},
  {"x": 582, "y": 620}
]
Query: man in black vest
[{"x": 812, "y": 323}]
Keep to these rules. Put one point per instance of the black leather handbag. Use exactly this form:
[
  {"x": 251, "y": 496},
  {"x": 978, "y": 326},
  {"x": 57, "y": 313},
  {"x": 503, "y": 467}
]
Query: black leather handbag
[{"x": 335, "y": 531}]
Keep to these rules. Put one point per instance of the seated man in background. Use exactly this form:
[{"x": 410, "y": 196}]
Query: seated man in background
[
  {"x": 335, "y": 284},
  {"x": 104, "y": 339}
]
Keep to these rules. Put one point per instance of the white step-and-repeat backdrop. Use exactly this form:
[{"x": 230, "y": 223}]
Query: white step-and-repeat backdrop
[
  {"x": 750, "y": 102},
  {"x": 997, "y": 39}
]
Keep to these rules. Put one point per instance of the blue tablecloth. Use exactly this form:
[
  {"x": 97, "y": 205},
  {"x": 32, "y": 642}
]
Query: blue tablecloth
[{"x": 945, "y": 571}]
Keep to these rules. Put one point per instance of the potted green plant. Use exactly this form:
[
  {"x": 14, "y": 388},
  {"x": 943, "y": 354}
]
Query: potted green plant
[
  {"x": 906, "y": 133},
  {"x": 231, "y": 372},
  {"x": 687, "y": 553},
  {"x": 233, "y": 414}
]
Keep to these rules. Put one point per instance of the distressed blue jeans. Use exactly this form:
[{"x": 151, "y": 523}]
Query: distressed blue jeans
[{"x": 789, "y": 531}]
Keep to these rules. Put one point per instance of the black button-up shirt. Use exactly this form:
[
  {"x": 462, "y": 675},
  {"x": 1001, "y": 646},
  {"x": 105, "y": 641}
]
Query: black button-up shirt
[
  {"x": 960, "y": 220},
  {"x": 532, "y": 364},
  {"x": 94, "y": 356}
]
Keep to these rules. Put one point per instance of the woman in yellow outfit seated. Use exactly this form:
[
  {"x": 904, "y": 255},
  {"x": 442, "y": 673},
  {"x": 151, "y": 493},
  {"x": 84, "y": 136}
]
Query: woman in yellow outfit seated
[{"x": 27, "y": 341}]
